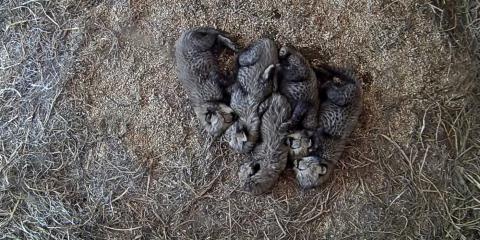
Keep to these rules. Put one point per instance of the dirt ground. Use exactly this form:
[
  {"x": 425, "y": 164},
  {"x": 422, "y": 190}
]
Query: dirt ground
[{"x": 98, "y": 140}]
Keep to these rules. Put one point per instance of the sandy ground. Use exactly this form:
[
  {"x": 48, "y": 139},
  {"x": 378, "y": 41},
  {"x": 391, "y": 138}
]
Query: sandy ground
[{"x": 144, "y": 169}]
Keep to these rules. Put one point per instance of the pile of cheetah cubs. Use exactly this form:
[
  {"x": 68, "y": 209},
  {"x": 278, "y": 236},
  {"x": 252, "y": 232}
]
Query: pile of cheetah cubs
[{"x": 276, "y": 108}]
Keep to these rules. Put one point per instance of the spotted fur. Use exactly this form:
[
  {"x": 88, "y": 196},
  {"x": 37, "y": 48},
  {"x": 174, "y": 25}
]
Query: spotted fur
[
  {"x": 199, "y": 72},
  {"x": 255, "y": 80},
  {"x": 269, "y": 157},
  {"x": 338, "y": 116},
  {"x": 298, "y": 82}
]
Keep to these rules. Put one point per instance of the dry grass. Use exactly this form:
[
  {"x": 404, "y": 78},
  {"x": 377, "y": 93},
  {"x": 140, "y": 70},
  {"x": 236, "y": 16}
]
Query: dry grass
[
  {"x": 97, "y": 140},
  {"x": 41, "y": 132},
  {"x": 460, "y": 122}
]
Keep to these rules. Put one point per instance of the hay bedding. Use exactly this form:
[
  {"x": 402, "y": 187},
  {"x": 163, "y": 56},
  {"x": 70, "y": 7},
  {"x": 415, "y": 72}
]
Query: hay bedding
[{"x": 96, "y": 136}]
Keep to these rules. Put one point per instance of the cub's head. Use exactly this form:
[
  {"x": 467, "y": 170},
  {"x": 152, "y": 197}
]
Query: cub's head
[
  {"x": 299, "y": 143},
  {"x": 248, "y": 170},
  {"x": 239, "y": 138},
  {"x": 293, "y": 66},
  {"x": 215, "y": 117},
  {"x": 200, "y": 39},
  {"x": 255, "y": 178},
  {"x": 310, "y": 171}
]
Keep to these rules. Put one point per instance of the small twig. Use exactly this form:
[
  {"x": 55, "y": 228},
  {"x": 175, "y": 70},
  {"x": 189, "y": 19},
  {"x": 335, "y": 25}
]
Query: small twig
[
  {"x": 122, "y": 229},
  {"x": 121, "y": 195},
  {"x": 279, "y": 225}
]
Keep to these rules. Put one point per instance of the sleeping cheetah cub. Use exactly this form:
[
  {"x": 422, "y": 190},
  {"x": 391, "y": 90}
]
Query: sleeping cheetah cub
[
  {"x": 269, "y": 157},
  {"x": 298, "y": 82},
  {"x": 338, "y": 116},
  {"x": 199, "y": 72},
  {"x": 255, "y": 82}
]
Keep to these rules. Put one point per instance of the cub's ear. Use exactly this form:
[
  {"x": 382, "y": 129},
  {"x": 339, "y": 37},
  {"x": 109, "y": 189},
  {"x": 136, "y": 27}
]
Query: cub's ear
[
  {"x": 224, "y": 108},
  {"x": 322, "y": 73},
  {"x": 269, "y": 73},
  {"x": 225, "y": 40},
  {"x": 214, "y": 120},
  {"x": 283, "y": 52},
  {"x": 242, "y": 136},
  {"x": 288, "y": 141},
  {"x": 310, "y": 143}
]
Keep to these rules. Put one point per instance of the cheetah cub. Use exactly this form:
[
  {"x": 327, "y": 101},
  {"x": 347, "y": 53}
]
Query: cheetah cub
[
  {"x": 298, "y": 82},
  {"x": 196, "y": 57},
  {"x": 255, "y": 80},
  {"x": 269, "y": 157},
  {"x": 337, "y": 117}
]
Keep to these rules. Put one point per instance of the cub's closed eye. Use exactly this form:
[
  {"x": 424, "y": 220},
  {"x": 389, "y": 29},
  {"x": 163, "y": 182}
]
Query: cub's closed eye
[
  {"x": 208, "y": 117},
  {"x": 288, "y": 141},
  {"x": 284, "y": 52},
  {"x": 256, "y": 168},
  {"x": 323, "y": 170},
  {"x": 228, "y": 118}
]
